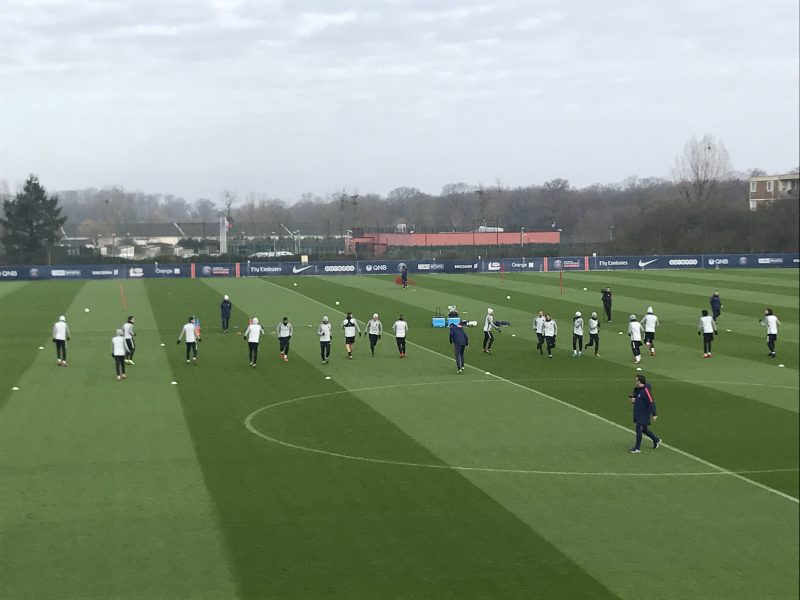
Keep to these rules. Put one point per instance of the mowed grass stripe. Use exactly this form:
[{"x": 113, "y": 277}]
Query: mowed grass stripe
[
  {"x": 102, "y": 496},
  {"x": 678, "y": 323},
  {"x": 565, "y": 502},
  {"x": 746, "y": 435},
  {"x": 671, "y": 358},
  {"x": 670, "y": 303},
  {"x": 27, "y": 313},
  {"x": 305, "y": 526}
]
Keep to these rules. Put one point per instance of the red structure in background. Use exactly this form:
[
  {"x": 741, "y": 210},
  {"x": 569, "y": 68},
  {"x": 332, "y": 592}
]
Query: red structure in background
[{"x": 379, "y": 242}]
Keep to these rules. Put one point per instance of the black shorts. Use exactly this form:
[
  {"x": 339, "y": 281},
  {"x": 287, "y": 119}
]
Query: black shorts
[
  {"x": 350, "y": 340},
  {"x": 649, "y": 336}
]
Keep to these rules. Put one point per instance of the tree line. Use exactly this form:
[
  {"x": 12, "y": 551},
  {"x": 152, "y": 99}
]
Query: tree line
[{"x": 702, "y": 208}]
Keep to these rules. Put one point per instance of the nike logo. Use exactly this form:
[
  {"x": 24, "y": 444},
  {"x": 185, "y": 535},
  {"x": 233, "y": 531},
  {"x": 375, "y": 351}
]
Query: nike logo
[
  {"x": 301, "y": 269},
  {"x": 643, "y": 263}
]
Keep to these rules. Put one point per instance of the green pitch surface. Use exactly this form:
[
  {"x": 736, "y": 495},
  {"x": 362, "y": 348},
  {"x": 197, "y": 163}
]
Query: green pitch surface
[{"x": 384, "y": 477}]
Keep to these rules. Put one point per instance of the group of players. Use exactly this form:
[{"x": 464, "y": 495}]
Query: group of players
[{"x": 641, "y": 332}]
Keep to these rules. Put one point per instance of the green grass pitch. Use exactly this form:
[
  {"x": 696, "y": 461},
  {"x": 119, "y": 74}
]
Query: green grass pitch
[{"x": 382, "y": 478}]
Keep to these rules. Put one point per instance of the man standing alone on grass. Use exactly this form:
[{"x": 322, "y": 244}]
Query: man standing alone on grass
[
  {"x": 189, "y": 333},
  {"x": 538, "y": 322},
  {"x": 375, "y": 331},
  {"x": 60, "y": 339},
  {"x": 643, "y": 408},
  {"x": 606, "y": 297},
  {"x": 128, "y": 333},
  {"x": 488, "y": 335},
  {"x": 225, "y": 313},
  {"x": 716, "y": 305},
  {"x": 404, "y": 275},
  {"x": 252, "y": 335},
  {"x": 650, "y": 322},
  {"x": 400, "y": 328},
  {"x": 594, "y": 334},
  {"x": 635, "y": 333},
  {"x": 324, "y": 333},
  {"x": 460, "y": 342},
  {"x": 771, "y": 322},
  {"x": 284, "y": 331},
  {"x": 577, "y": 334},
  {"x": 118, "y": 352},
  {"x": 350, "y": 327},
  {"x": 707, "y": 327},
  {"x": 550, "y": 331}
]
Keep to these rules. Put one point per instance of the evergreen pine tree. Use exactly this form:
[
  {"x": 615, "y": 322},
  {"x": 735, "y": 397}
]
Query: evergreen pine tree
[{"x": 31, "y": 222}]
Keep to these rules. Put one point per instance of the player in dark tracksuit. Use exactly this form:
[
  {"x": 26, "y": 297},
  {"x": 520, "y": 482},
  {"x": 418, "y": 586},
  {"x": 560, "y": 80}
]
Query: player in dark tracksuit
[
  {"x": 716, "y": 305},
  {"x": 404, "y": 275},
  {"x": 607, "y": 302},
  {"x": 643, "y": 408},
  {"x": 460, "y": 341},
  {"x": 225, "y": 313}
]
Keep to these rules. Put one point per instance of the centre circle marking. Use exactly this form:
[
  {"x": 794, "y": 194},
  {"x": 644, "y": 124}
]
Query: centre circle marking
[{"x": 248, "y": 423}]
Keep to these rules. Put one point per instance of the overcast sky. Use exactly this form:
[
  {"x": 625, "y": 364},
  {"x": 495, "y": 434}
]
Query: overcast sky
[{"x": 282, "y": 97}]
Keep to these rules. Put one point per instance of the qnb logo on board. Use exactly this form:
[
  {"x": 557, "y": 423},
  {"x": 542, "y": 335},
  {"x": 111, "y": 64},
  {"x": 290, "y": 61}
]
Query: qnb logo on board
[
  {"x": 340, "y": 268},
  {"x": 370, "y": 268},
  {"x": 717, "y": 261}
]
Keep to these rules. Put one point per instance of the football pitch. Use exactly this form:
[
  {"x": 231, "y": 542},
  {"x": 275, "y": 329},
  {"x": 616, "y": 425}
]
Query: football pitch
[{"x": 382, "y": 478}]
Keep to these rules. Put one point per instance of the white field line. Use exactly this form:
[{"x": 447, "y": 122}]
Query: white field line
[
  {"x": 576, "y": 408},
  {"x": 253, "y": 429}
]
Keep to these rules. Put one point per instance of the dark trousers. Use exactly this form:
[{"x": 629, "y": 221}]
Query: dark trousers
[
  {"x": 607, "y": 309},
  {"x": 594, "y": 340},
  {"x": 284, "y": 343},
  {"x": 191, "y": 348},
  {"x": 458, "y": 351},
  {"x": 539, "y": 341},
  {"x": 119, "y": 362},
  {"x": 129, "y": 349},
  {"x": 226, "y": 321},
  {"x": 401, "y": 344},
  {"x": 771, "y": 339},
  {"x": 404, "y": 278},
  {"x": 641, "y": 428},
  {"x": 61, "y": 350},
  {"x": 488, "y": 340},
  {"x": 636, "y": 348},
  {"x": 253, "y": 352},
  {"x": 324, "y": 350},
  {"x": 707, "y": 339},
  {"x": 373, "y": 341},
  {"x": 577, "y": 342},
  {"x": 715, "y": 314},
  {"x": 550, "y": 342}
]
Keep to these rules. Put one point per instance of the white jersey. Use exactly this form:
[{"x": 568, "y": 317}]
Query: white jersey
[
  {"x": 577, "y": 326},
  {"x": 324, "y": 332},
  {"x": 537, "y": 324},
  {"x": 189, "y": 333},
  {"x": 707, "y": 325},
  {"x": 488, "y": 324},
  {"x": 60, "y": 331},
  {"x": 400, "y": 328},
  {"x": 350, "y": 327},
  {"x": 771, "y": 322},
  {"x": 594, "y": 326},
  {"x": 635, "y": 331},
  {"x": 284, "y": 330},
  {"x": 549, "y": 328},
  {"x": 374, "y": 327},
  {"x": 118, "y": 346},
  {"x": 650, "y": 323},
  {"x": 127, "y": 331},
  {"x": 253, "y": 333}
]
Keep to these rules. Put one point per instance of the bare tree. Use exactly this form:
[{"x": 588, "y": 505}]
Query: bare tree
[{"x": 700, "y": 167}]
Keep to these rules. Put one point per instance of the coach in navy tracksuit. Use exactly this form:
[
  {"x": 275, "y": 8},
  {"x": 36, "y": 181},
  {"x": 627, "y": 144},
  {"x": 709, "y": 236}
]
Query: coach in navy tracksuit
[
  {"x": 460, "y": 341},
  {"x": 643, "y": 408},
  {"x": 716, "y": 305}
]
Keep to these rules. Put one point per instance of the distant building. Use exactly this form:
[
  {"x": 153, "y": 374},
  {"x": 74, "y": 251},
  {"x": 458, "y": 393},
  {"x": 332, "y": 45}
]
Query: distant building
[{"x": 767, "y": 188}]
